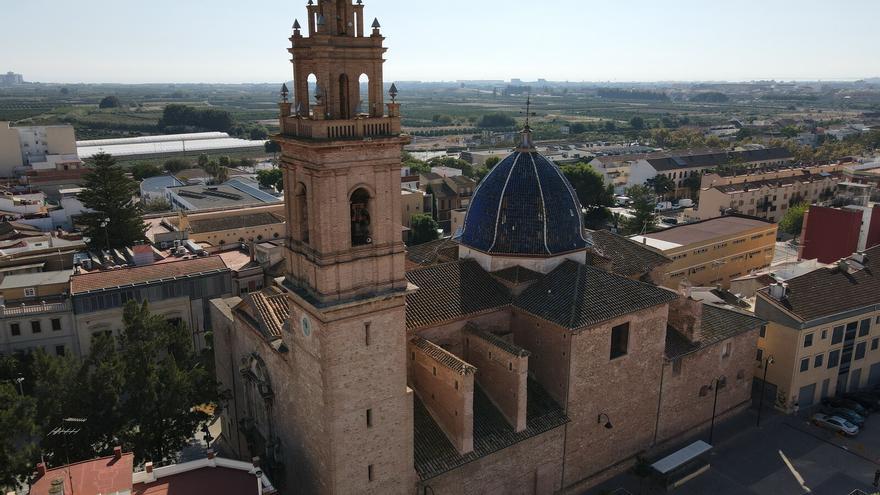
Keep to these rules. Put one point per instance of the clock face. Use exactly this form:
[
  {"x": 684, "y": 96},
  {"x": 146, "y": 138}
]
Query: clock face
[{"x": 306, "y": 325}]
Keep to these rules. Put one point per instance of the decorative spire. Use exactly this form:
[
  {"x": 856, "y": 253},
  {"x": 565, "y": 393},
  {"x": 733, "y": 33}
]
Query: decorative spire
[
  {"x": 392, "y": 92},
  {"x": 284, "y": 92},
  {"x": 525, "y": 141},
  {"x": 311, "y": 2},
  {"x": 375, "y": 23},
  {"x": 296, "y": 26}
]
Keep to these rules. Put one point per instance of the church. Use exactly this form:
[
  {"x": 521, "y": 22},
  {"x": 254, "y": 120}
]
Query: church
[{"x": 527, "y": 355}]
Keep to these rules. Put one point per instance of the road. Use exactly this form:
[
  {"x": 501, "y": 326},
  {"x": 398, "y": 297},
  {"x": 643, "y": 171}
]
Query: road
[{"x": 784, "y": 456}]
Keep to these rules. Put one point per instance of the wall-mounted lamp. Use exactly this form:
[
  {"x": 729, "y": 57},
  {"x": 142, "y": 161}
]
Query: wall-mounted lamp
[{"x": 607, "y": 424}]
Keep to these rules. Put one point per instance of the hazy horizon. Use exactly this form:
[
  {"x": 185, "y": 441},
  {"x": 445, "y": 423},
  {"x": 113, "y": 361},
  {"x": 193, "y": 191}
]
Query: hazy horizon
[{"x": 223, "y": 42}]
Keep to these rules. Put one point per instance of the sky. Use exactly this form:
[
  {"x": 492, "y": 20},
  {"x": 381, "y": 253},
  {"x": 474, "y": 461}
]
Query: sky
[{"x": 234, "y": 41}]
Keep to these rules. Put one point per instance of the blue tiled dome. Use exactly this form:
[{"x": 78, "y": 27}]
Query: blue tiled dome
[{"x": 525, "y": 206}]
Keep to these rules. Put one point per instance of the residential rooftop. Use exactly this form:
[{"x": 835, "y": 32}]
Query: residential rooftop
[
  {"x": 138, "y": 275},
  {"x": 705, "y": 230}
]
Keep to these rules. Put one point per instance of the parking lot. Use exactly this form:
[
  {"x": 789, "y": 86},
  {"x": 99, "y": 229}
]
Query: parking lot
[{"x": 785, "y": 455}]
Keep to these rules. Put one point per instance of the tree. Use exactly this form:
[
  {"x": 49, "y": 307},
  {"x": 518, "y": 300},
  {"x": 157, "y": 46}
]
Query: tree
[
  {"x": 156, "y": 205},
  {"x": 202, "y": 160},
  {"x": 109, "y": 102},
  {"x": 415, "y": 165},
  {"x": 447, "y": 161},
  {"x": 593, "y": 194},
  {"x": 272, "y": 147},
  {"x": 492, "y": 120},
  {"x": 115, "y": 218},
  {"x": 17, "y": 430},
  {"x": 491, "y": 162},
  {"x": 609, "y": 125},
  {"x": 693, "y": 182},
  {"x": 164, "y": 384},
  {"x": 141, "y": 171},
  {"x": 793, "y": 220},
  {"x": 176, "y": 116},
  {"x": 175, "y": 165},
  {"x": 424, "y": 229},
  {"x": 637, "y": 123},
  {"x": 644, "y": 217},
  {"x": 661, "y": 185},
  {"x": 272, "y": 177},
  {"x": 258, "y": 133}
]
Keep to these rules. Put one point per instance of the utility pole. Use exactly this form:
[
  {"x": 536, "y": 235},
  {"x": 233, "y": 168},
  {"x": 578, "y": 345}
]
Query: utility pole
[
  {"x": 717, "y": 384},
  {"x": 767, "y": 363}
]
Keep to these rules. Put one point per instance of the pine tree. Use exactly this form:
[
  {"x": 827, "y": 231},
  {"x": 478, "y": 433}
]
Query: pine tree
[
  {"x": 17, "y": 429},
  {"x": 165, "y": 383},
  {"x": 115, "y": 220}
]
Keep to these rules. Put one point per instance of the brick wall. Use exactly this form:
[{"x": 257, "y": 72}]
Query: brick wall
[
  {"x": 625, "y": 388},
  {"x": 682, "y": 406},
  {"x": 448, "y": 394},
  {"x": 548, "y": 345},
  {"x": 501, "y": 374}
]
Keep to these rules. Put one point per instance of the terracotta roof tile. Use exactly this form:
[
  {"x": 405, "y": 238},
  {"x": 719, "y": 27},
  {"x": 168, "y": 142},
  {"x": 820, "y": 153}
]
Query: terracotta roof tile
[
  {"x": 442, "y": 356},
  {"x": 627, "y": 257},
  {"x": 575, "y": 296},
  {"x": 473, "y": 329},
  {"x": 110, "y": 279},
  {"x": 452, "y": 290},
  {"x": 829, "y": 291}
]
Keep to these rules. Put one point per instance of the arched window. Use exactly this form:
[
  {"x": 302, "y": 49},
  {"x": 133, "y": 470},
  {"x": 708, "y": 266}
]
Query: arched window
[
  {"x": 361, "y": 233},
  {"x": 344, "y": 98},
  {"x": 363, "y": 89},
  {"x": 302, "y": 212}
]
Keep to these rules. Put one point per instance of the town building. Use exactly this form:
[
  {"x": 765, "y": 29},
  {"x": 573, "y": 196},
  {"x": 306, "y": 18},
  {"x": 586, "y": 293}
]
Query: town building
[
  {"x": 725, "y": 178},
  {"x": 35, "y": 313},
  {"x": 179, "y": 290},
  {"x": 216, "y": 229},
  {"x": 823, "y": 332},
  {"x": 232, "y": 193},
  {"x": 168, "y": 145},
  {"x": 829, "y": 234},
  {"x": 767, "y": 198},
  {"x": 412, "y": 202},
  {"x": 36, "y": 148},
  {"x": 447, "y": 194},
  {"x": 115, "y": 474},
  {"x": 712, "y": 252},
  {"x": 482, "y": 374},
  {"x": 11, "y": 79}
]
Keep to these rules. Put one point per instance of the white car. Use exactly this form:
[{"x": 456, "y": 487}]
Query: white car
[{"x": 835, "y": 423}]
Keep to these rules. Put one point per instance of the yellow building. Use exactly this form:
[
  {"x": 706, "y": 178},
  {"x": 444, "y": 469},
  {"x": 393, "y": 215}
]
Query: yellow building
[
  {"x": 823, "y": 332},
  {"x": 712, "y": 252},
  {"x": 412, "y": 202},
  {"x": 766, "y": 198}
]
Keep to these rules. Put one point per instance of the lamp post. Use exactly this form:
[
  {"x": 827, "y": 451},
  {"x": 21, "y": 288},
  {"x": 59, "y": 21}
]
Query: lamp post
[
  {"x": 767, "y": 363},
  {"x": 106, "y": 235},
  {"x": 717, "y": 383}
]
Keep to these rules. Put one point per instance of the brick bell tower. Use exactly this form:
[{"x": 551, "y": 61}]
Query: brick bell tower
[{"x": 349, "y": 409}]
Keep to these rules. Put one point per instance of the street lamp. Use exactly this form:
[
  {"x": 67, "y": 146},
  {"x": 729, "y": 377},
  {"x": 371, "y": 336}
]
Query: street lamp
[
  {"x": 717, "y": 383},
  {"x": 767, "y": 363},
  {"x": 19, "y": 381},
  {"x": 106, "y": 235}
]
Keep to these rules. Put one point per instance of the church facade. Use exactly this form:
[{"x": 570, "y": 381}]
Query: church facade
[{"x": 533, "y": 357}]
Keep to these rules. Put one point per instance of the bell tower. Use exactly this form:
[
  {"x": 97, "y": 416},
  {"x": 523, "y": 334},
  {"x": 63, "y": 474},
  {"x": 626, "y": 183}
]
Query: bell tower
[{"x": 349, "y": 413}]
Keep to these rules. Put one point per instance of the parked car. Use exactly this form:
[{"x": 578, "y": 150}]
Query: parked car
[
  {"x": 685, "y": 203},
  {"x": 663, "y": 206},
  {"x": 846, "y": 404},
  {"x": 847, "y": 414},
  {"x": 867, "y": 400},
  {"x": 835, "y": 423},
  {"x": 670, "y": 220}
]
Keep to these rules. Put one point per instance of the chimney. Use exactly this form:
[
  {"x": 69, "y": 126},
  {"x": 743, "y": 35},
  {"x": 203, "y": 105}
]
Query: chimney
[
  {"x": 117, "y": 453},
  {"x": 686, "y": 316},
  {"x": 148, "y": 467},
  {"x": 778, "y": 291},
  {"x": 41, "y": 469}
]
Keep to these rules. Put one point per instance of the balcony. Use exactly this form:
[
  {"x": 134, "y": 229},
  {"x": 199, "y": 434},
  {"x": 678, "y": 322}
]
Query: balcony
[
  {"x": 33, "y": 308},
  {"x": 357, "y": 128}
]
